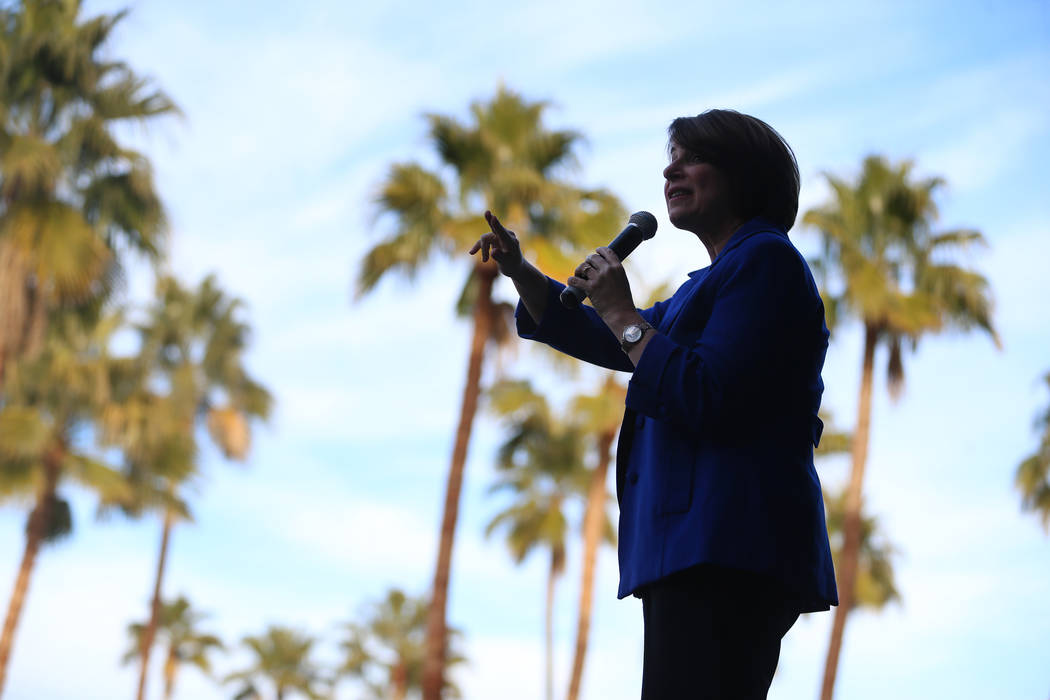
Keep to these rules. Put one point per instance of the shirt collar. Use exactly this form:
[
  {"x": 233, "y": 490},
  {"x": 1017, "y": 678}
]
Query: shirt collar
[{"x": 746, "y": 230}]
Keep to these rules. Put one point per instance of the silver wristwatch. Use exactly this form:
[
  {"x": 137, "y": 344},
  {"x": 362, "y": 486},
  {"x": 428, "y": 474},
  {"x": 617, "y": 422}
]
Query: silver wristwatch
[{"x": 632, "y": 335}]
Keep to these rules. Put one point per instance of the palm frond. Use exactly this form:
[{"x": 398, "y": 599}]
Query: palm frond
[
  {"x": 889, "y": 269},
  {"x": 66, "y": 252},
  {"x": 30, "y": 167},
  {"x": 25, "y": 433},
  {"x": 102, "y": 478}
]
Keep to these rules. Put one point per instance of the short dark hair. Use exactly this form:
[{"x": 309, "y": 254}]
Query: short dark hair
[{"x": 757, "y": 161}]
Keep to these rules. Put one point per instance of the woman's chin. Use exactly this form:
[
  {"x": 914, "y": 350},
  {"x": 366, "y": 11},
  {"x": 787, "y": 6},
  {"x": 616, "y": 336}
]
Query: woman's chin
[{"x": 682, "y": 221}]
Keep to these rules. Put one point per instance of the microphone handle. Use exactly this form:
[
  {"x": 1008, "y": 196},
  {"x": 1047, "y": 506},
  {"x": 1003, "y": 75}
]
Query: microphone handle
[{"x": 623, "y": 245}]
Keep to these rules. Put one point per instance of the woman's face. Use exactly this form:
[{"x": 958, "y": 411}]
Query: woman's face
[{"x": 697, "y": 193}]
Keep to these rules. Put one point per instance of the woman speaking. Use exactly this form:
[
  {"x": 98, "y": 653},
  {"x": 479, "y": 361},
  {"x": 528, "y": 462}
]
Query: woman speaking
[{"x": 721, "y": 530}]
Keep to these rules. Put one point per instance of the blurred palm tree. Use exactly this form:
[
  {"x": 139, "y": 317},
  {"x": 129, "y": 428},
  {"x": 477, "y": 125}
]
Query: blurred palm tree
[
  {"x": 874, "y": 585},
  {"x": 74, "y": 202},
  {"x": 898, "y": 279},
  {"x": 542, "y": 464},
  {"x": 1033, "y": 474},
  {"x": 833, "y": 441},
  {"x": 386, "y": 650},
  {"x": 191, "y": 372},
  {"x": 177, "y": 623},
  {"x": 50, "y": 401},
  {"x": 506, "y": 160},
  {"x": 598, "y": 416},
  {"x": 282, "y": 658}
]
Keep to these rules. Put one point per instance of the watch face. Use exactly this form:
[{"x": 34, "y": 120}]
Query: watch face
[{"x": 632, "y": 334}]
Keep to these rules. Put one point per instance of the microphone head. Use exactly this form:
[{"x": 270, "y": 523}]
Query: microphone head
[{"x": 646, "y": 222}]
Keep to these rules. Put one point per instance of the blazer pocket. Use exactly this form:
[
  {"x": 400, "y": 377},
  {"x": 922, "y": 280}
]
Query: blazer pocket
[{"x": 676, "y": 485}]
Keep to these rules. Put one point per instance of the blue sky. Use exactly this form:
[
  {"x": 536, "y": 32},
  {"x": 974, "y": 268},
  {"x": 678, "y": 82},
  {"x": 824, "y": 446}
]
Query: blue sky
[{"x": 293, "y": 111}]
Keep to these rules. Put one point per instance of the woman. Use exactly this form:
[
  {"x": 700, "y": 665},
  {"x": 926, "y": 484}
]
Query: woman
[{"x": 722, "y": 531}]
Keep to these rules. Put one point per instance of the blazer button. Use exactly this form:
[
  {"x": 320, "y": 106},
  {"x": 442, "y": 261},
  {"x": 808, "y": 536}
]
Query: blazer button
[{"x": 633, "y": 477}]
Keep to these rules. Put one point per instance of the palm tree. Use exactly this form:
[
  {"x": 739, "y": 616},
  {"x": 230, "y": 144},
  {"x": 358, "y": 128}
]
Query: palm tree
[
  {"x": 73, "y": 201},
  {"x": 192, "y": 345},
  {"x": 177, "y": 623},
  {"x": 541, "y": 464},
  {"x": 897, "y": 278},
  {"x": 386, "y": 650},
  {"x": 598, "y": 416},
  {"x": 833, "y": 441},
  {"x": 505, "y": 160},
  {"x": 1033, "y": 474},
  {"x": 159, "y": 454},
  {"x": 48, "y": 400},
  {"x": 874, "y": 585},
  {"x": 282, "y": 657}
]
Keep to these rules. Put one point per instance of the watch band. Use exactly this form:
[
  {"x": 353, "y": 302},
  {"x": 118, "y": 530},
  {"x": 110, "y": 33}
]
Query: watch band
[{"x": 625, "y": 344}]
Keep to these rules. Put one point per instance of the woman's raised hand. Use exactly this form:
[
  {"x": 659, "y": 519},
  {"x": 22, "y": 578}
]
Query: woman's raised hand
[{"x": 502, "y": 245}]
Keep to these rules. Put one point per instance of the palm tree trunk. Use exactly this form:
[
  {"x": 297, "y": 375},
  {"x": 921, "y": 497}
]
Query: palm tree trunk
[
  {"x": 399, "y": 680},
  {"x": 434, "y": 660},
  {"x": 35, "y": 533},
  {"x": 169, "y": 673},
  {"x": 847, "y": 573},
  {"x": 151, "y": 629},
  {"x": 23, "y": 312},
  {"x": 548, "y": 625},
  {"x": 11, "y": 303},
  {"x": 592, "y": 532}
]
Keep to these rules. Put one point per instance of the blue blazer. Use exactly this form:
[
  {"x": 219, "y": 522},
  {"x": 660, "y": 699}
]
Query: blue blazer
[{"x": 715, "y": 456}]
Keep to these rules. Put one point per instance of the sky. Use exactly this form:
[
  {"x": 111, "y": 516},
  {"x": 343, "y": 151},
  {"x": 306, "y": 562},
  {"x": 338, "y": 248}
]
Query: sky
[{"x": 293, "y": 112}]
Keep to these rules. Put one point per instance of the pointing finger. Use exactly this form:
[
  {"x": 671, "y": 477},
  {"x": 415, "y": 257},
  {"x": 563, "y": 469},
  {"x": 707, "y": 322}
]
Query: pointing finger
[
  {"x": 497, "y": 227},
  {"x": 481, "y": 244}
]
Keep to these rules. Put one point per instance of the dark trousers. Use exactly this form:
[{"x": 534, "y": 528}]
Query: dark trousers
[{"x": 713, "y": 633}]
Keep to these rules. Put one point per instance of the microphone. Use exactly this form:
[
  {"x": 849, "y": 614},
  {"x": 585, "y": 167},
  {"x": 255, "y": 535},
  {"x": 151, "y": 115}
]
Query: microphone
[{"x": 640, "y": 227}]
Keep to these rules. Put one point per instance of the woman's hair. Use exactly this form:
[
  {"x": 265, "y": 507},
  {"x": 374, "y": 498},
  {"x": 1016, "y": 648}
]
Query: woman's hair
[{"x": 757, "y": 161}]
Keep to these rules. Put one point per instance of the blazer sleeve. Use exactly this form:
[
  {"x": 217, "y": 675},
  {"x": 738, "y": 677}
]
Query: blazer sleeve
[
  {"x": 578, "y": 332},
  {"x": 760, "y": 296}
]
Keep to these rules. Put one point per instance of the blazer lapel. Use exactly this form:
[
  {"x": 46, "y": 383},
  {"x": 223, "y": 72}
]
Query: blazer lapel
[{"x": 697, "y": 278}]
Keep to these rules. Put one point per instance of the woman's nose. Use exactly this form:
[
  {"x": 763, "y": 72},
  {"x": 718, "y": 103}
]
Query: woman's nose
[{"x": 671, "y": 170}]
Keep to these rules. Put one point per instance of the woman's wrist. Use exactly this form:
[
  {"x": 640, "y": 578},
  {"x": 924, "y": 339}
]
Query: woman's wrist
[
  {"x": 525, "y": 270},
  {"x": 531, "y": 285},
  {"x": 618, "y": 320}
]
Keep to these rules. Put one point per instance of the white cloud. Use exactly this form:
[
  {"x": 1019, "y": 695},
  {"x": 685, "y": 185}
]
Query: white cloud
[
  {"x": 965, "y": 93},
  {"x": 1017, "y": 274},
  {"x": 988, "y": 147},
  {"x": 503, "y": 666},
  {"x": 76, "y": 610}
]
